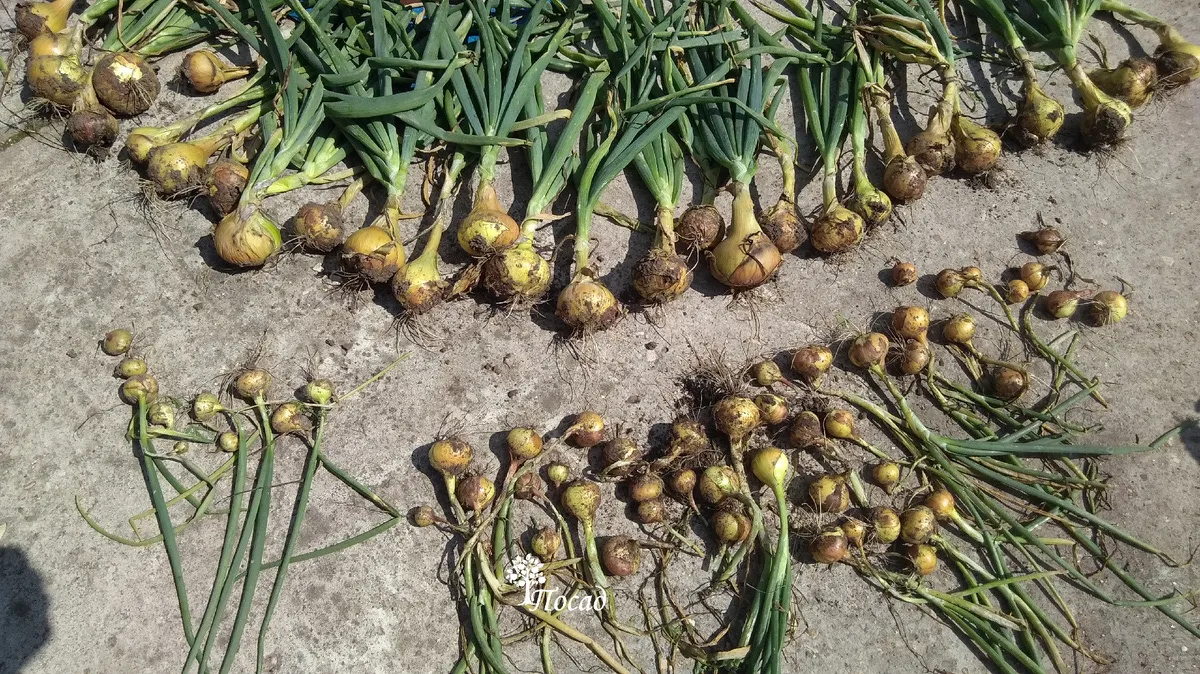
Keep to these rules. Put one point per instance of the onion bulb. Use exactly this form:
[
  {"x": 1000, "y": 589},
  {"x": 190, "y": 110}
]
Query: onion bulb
[
  {"x": 422, "y": 516},
  {"x": 870, "y": 203},
  {"x": 587, "y": 431},
  {"x": 586, "y": 305},
  {"x": 839, "y": 423},
  {"x": 558, "y": 473},
  {"x": 1105, "y": 118},
  {"x": 618, "y": 455},
  {"x": 716, "y": 483},
  {"x": 418, "y": 286},
  {"x": 205, "y": 406},
  {"x": 652, "y": 511},
  {"x": 837, "y": 230},
  {"x": 782, "y": 226},
  {"x": 143, "y": 140},
  {"x": 904, "y": 273},
  {"x": 1108, "y": 307},
  {"x": 959, "y": 330},
  {"x": 746, "y": 258},
  {"x": 949, "y": 282},
  {"x": 528, "y": 487},
  {"x": 228, "y": 442},
  {"x": 829, "y": 547},
  {"x": 869, "y": 350},
  {"x": 139, "y": 388},
  {"x": 178, "y": 168},
  {"x": 130, "y": 367},
  {"x": 57, "y": 79},
  {"x": 976, "y": 148},
  {"x": 700, "y": 227},
  {"x": 1039, "y": 117},
  {"x": 516, "y": 273},
  {"x": 934, "y": 147},
  {"x": 289, "y": 418},
  {"x": 319, "y": 391},
  {"x": 807, "y": 432},
  {"x": 682, "y": 482},
  {"x": 621, "y": 556},
  {"x": 1008, "y": 383},
  {"x": 1133, "y": 81},
  {"x": 125, "y": 83},
  {"x": 736, "y": 417},
  {"x": 582, "y": 498},
  {"x": 766, "y": 373},
  {"x": 116, "y": 342},
  {"x": 662, "y": 276},
  {"x": 729, "y": 526},
  {"x": 545, "y": 544},
  {"x": 886, "y": 523},
  {"x": 247, "y": 237},
  {"x": 225, "y": 183},
  {"x": 1046, "y": 240},
  {"x": 646, "y": 487},
  {"x": 523, "y": 444},
  {"x": 251, "y": 384},
  {"x": 811, "y": 363},
  {"x": 1178, "y": 60},
  {"x": 1035, "y": 275},
  {"x": 475, "y": 492},
  {"x": 450, "y": 456},
  {"x": 904, "y": 179},
  {"x": 488, "y": 228},
  {"x": 941, "y": 503},
  {"x": 886, "y": 475},
  {"x": 1017, "y": 291},
  {"x": 923, "y": 558},
  {"x": 54, "y": 44},
  {"x": 855, "y": 530},
  {"x": 910, "y": 322},
  {"x": 371, "y": 253},
  {"x": 1063, "y": 303},
  {"x": 35, "y": 18},
  {"x": 206, "y": 72},
  {"x": 915, "y": 357},
  {"x": 688, "y": 437},
  {"x": 91, "y": 124},
  {"x": 318, "y": 227},
  {"x": 773, "y": 408},
  {"x": 829, "y": 494},
  {"x": 918, "y": 524}
]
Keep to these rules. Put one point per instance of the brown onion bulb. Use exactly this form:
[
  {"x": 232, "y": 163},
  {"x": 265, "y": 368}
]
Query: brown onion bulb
[{"x": 125, "y": 83}]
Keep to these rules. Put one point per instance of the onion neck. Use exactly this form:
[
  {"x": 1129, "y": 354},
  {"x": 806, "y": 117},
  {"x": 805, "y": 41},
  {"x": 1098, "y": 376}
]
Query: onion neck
[
  {"x": 829, "y": 183},
  {"x": 944, "y": 111},
  {"x": 445, "y": 209},
  {"x": 664, "y": 239},
  {"x": 1092, "y": 96},
  {"x": 743, "y": 224},
  {"x": 583, "y": 244},
  {"x": 893, "y": 147}
]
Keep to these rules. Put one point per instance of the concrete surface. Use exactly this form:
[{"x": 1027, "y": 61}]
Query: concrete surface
[{"x": 79, "y": 258}]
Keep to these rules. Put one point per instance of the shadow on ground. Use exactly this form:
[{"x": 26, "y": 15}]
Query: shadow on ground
[{"x": 24, "y": 611}]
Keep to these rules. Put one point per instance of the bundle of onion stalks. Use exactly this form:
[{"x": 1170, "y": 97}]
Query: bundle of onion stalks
[{"x": 176, "y": 446}]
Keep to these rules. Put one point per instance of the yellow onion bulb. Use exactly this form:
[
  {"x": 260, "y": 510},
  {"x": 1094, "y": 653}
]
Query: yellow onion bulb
[
  {"x": 587, "y": 431},
  {"x": 904, "y": 273},
  {"x": 92, "y": 126},
  {"x": 829, "y": 494},
  {"x": 143, "y": 140},
  {"x": 178, "y": 168},
  {"x": 729, "y": 527},
  {"x": 837, "y": 230},
  {"x": 1017, "y": 291},
  {"x": 770, "y": 466},
  {"x": 621, "y": 556},
  {"x": 811, "y": 363},
  {"x": 488, "y": 228},
  {"x": 700, "y": 227},
  {"x": 806, "y": 431},
  {"x": 545, "y": 544},
  {"x": 941, "y": 503},
  {"x": 716, "y": 483},
  {"x": 1105, "y": 120},
  {"x": 475, "y": 492},
  {"x": 251, "y": 384},
  {"x": 839, "y": 423},
  {"x": 52, "y": 44},
  {"x": 516, "y": 273},
  {"x": 915, "y": 357},
  {"x": 205, "y": 72},
  {"x": 1062, "y": 303},
  {"x": 918, "y": 524},
  {"x": 662, "y": 276},
  {"x": 959, "y": 329},
  {"x": 829, "y": 547},
  {"x": 319, "y": 227},
  {"x": 1108, "y": 307},
  {"x": 247, "y": 237},
  {"x": 1040, "y": 117},
  {"x": 736, "y": 417},
  {"x": 744, "y": 263},
  {"x": 586, "y": 305},
  {"x": 582, "y": 498},
  {"x": 371, "y": 253},
  {"x": 1035, "y": 275},
  {"x": 225, "y": 182},
  {"x": 773, "y": 408},
  {"x": 1178, "y": 60},
  {"x": 418, "y": 285},
  {"x": 646, "y": 487},
  {"x": 949, "y": 282},
  {"x": 450, "y": 456},
  {"x": 766, "y": 372},
  {"x": 886, "y": 474},
  {"x": 886, "y": 523},
  {"x": 1047, "y": 240},
  {"x": 1133, "y": 81},
  {"x": 904, "y": 179},
  {"x": 855, "y": 530},
  {"x": 870, "y": 203},
  {"x": 923, "y": 558},
  {"x": 976, "y": 148},
  {"x": 781, "y": 224},
  {"x": 933, "y": 147},
  {"x": 125, "y": 83},
  {"x": 910, "y": 322},
  {"x": 869, "y": 350},
  {"x": 57, "y": 79},
  {"x": 1008, "y": 384}
]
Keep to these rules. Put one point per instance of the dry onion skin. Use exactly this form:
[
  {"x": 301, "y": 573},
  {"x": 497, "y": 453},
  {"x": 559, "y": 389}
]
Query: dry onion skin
[{"x": 125, "y": 83}]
